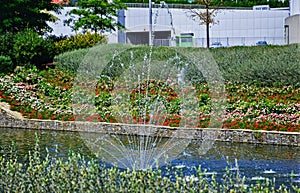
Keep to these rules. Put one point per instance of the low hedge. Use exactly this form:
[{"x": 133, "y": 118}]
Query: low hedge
[
  {"x": 79, "y": 41},
  {"x": 70, "y": 60},
  {"x": 262, "y": 65},
  {"x": 27, "y": 48},
  {"x": 265, "y": 65}
]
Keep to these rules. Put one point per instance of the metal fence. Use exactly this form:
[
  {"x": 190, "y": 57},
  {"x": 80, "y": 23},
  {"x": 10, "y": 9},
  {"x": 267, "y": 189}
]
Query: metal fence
[
  {"x": 226, "y": 41},
  {"x": 182, "y": 6}
]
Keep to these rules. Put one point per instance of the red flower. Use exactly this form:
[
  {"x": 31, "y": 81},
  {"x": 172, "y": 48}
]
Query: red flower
[{"x": 256, "y": 125}]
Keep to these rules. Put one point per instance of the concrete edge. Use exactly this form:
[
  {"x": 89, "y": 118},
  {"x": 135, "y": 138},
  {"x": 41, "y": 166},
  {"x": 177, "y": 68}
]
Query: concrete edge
[{"x": 10, "y": 119}]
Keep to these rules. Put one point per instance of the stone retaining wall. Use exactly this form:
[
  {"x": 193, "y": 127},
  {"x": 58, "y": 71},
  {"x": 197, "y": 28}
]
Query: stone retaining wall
[{"x": 8, "y": 119}]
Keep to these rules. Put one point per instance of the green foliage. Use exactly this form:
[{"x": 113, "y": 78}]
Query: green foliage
[
  {"x": 95, "y": 15},
  {"x": 19, "y": 15},
  {"x": 25, "y": 47},
  {"x": 79, "y": 41},
  {"x": 30, "y": 48},
  {"x": 44, "y": 173},
  {"x": 6, "y": 64},
  {"x": 6, "y": 52},
  {"x": 6, "y": 44},
  {"x": 265, "y": 65},
  {"x": 260, "y": 65},
  {"x": 70, "y": 60}
]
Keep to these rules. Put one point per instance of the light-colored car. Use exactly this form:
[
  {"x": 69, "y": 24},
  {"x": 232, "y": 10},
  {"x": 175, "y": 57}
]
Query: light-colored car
[{"x": 216, "y": 45}]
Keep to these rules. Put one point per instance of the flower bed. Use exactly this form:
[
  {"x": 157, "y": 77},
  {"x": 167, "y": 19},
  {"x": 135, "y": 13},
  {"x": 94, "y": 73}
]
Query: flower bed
[{"x": 48, "y": 95}]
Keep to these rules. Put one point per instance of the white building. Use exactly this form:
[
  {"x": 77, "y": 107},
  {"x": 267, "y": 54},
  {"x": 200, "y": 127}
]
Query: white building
[
  {"x": 233, "y": 27},
  {"x": 59, "y": 28},
  {"x": 294, "y": 7},
  {"x": 292, "y": 23}
]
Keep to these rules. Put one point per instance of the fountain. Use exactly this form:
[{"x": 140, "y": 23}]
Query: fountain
[
  {"x": 146, "y": 91},
  {"x": 252, "y": 161}
]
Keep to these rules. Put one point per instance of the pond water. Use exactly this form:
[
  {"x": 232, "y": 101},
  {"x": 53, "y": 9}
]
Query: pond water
[{"x": 254, "y": 161}]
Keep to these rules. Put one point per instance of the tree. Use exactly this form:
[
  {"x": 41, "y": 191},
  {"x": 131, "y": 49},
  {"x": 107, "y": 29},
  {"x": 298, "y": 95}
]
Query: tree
[
  {"x": 17, "y": 15},
  {"x": 95, "y": 15},
  {"x": 204, "y": 17}
]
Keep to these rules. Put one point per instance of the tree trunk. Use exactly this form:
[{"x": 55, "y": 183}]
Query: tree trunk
[
  {"x": 207, "y": 35},
  {"x": 207, "y": 26}
]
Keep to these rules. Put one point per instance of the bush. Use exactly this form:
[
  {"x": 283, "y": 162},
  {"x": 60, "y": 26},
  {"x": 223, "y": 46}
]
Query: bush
[
  {"x": 79, "y": 41},
  {"x": 25, "y": 48},
  {"x": 30, "y": 48},
  {"x": 6, "y": 44},
  {"x": 6, "y": 52},
  {"x": 70, "y": 60},
  {"x": 6, "y": 65},
  {"x": 261, "y": 65}
]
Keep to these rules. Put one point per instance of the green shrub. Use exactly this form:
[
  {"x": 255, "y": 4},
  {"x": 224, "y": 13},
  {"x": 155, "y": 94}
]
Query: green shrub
[
  {"x": 70, "y": 60},
  {"x": 79, "y": 41},
  {"x": 27, "y": 48},
  {"x": 6, "y": 65},
  {"x": 6, "y": 44},
  {"x": 262, "y": 65},
  {"x": 30, "y": 48}
]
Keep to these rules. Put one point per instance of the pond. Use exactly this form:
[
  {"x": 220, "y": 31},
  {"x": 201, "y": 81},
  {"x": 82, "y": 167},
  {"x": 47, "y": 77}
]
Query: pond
[{"x": 255, "y": 162}]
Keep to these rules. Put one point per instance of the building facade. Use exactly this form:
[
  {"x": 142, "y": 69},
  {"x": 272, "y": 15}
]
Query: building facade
[
  {"x": 292, "y": 23},
  {"x": 232, "y": 27}
]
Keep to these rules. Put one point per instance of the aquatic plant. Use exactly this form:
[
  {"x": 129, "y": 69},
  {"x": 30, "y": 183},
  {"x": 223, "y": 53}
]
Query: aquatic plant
[{"x": 76, "y": 173}]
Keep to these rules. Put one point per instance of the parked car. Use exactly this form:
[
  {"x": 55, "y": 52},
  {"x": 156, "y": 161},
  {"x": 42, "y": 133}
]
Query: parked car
[
  {"x": 261, "y": 43},
  {"x": 216, "y": 45}
]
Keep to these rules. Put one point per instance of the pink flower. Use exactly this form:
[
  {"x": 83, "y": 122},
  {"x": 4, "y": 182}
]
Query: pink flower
[{"x": 60, "y": 1}]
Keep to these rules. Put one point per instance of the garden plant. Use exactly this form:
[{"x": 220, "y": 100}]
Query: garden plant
[
  {"x": 262, "y": 91},
  {"x": 37, "y": 172}
]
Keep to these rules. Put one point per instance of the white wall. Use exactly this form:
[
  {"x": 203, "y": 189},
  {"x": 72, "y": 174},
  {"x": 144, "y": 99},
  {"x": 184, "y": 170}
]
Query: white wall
[
  {"x": 58, "y": 27},
  {"x": 236, "y": 27},
  {"x": 294, "y": 7},
  {"x": 293, "y": 23}
]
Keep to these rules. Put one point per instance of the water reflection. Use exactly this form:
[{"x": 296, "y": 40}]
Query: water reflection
[
  {"x": 135, "y": 151},
  {"x": 57, "y": 142},
  {"x": 254, "y": 161}
]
